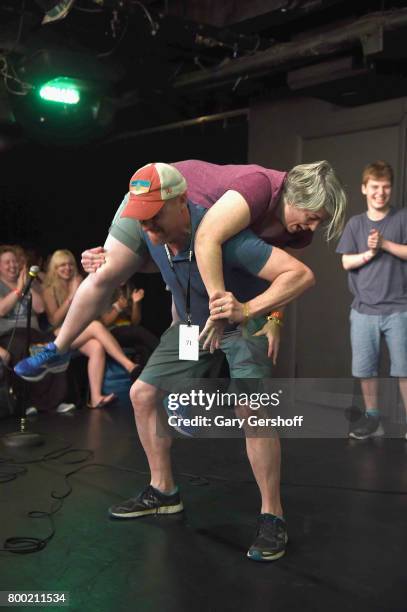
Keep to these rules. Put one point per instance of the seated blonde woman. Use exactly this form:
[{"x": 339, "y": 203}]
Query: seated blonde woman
[{"x": 60, "y": 284}]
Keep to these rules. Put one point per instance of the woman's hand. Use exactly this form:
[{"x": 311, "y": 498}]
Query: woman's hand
[
  {"x": 92, "y": 259},
  {"x": 212, "y": 334},
  {"x": 137, "y": 295},
  {"x": 121, "y": 303},
  {"x": 272, "y": 330},
  {"x": 22, "y": 279}
]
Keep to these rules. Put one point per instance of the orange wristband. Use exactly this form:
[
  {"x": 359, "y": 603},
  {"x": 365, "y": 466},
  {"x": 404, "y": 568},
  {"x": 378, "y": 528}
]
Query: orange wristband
[{"x": 277, "y": 314}]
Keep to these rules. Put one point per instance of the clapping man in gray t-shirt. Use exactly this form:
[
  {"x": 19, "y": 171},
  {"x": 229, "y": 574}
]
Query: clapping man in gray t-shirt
[{"x": 374, "y": 252}]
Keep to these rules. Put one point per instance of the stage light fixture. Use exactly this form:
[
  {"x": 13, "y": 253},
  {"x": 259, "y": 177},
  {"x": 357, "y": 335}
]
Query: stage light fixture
[
  {"x": 69, "y": 101},
  {"x": 62, "y": 90}
]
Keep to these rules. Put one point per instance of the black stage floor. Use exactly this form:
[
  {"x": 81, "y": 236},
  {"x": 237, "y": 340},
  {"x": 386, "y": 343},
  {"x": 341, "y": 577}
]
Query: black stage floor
[{"x": 345, "y": 504}]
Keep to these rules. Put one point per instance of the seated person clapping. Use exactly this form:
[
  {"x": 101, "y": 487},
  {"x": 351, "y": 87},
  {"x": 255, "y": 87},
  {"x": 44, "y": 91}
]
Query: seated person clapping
[
  {"x": 60, "y": 284},
  {"x": 123, "y": 319}
]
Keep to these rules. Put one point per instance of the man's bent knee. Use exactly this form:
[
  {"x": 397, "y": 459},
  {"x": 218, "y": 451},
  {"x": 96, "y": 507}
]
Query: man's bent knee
[{"x": 144, "y": 397}]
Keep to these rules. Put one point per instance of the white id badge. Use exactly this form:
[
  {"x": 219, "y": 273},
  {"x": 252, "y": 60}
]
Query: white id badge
[{"x": 188, "y": 342}]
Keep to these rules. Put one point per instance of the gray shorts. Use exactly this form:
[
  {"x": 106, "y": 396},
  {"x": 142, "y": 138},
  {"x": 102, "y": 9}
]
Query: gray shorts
[
  {"x": 366, "y": 332},
  {"x": 245, "y": 354}
]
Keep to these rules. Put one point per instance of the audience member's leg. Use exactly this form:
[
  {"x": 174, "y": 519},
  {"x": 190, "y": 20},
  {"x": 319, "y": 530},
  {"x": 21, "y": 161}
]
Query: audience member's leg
[
  {"x": 365, "y": 341},
  {"x": 403, "y": 392},
  {"x": 99, "y": 332},
  {"x": 396, "y": 337},
  {"x": 96, "y": 355},
  {"x": 370, "y": 393}
]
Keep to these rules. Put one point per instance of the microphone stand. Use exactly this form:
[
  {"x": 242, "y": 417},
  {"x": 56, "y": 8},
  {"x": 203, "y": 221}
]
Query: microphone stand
[{"x": 24, "y": 438}]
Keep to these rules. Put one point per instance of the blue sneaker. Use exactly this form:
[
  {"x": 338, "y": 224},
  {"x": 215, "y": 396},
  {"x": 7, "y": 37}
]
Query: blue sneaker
[{"x": 47, "y": 360}]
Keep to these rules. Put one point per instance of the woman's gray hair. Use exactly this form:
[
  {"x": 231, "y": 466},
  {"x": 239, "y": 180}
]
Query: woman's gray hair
[{"x": 315, "y": 187}]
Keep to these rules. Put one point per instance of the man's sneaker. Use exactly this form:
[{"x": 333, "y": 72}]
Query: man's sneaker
[
  {"x": 47, "y": 360},
  {"x": 367, "y": 427},
  {"x": 150, "y": 501},
  {"x": 271, "y": 539},
  {"x": 64, "y": 407}
]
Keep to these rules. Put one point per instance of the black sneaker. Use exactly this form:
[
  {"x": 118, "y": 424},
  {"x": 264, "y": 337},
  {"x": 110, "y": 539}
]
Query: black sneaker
[
  {"x": 271, "y": 539},
  {"x": 367, "y": 427},
  {"x": 149, "y": 501}
]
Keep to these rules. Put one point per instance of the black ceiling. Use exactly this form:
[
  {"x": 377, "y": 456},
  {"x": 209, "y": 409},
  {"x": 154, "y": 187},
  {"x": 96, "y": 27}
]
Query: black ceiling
[{"x": 162, "y": 61}]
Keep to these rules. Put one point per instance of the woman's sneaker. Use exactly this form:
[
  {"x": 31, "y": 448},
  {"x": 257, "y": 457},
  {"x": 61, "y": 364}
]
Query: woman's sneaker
[
  {"x": 149, "y": 501},
  {"x": 48, "y": 360},
  {"x": 271, "y": 539}
]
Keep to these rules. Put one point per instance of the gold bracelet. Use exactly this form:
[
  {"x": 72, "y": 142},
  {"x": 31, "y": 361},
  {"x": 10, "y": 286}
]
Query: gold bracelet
[{"x": 246, "y": 312}]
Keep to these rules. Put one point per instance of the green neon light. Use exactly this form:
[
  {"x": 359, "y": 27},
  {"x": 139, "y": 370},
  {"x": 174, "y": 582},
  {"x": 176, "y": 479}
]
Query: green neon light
[{"x": 62, "y": 90}]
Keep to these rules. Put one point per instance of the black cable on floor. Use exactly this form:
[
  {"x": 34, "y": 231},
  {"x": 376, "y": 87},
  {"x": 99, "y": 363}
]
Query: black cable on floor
[
  {"x": 28, "y": 544},
  {"x": 11, "y": 468},
  {"x": 9, "y": 472},
  {"x": 204, "y": 480}
]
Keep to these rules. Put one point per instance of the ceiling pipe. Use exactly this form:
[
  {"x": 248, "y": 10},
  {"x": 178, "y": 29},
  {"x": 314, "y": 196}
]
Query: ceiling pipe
[
  {"x": 367, "y": 31},
  {"x": 179, "y": 125}
]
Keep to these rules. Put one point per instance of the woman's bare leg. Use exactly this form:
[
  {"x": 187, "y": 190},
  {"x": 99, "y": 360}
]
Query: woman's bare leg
[
  {"x": 98, "y": 331},
  {"x": 96, "y": 355}
]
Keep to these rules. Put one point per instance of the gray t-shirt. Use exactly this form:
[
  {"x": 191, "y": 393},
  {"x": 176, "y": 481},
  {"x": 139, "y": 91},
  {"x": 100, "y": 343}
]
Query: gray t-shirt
[
  {"x": 380, "y": 286},
  {"x": 18, "y": 313}
]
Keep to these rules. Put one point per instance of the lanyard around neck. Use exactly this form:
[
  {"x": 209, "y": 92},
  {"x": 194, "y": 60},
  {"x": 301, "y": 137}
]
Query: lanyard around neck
[{"x": 187, "y": 294}]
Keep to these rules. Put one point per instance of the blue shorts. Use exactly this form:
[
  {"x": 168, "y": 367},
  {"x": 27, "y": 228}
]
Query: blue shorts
[{"x": 366, "y": 332}]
